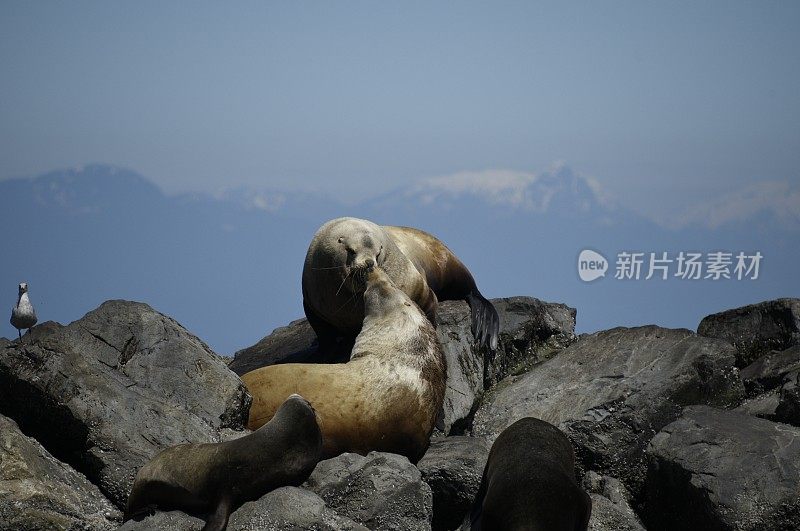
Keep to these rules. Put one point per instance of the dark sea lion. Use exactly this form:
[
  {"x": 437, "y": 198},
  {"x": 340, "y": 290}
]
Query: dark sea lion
[
  {"x": 418, "y": 263},
  {"x": 212, "y": 480},
  {"x": 529, "y": 483},
  {"x": 385, "y": 398}
]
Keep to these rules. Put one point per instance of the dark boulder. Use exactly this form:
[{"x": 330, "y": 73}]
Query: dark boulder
[
  {"x": 531, "y": 331},
  {"x": 770, "y": 370},
  {"x": 293, "y": 343},
  {"x": 290, "y": 508},
  {"x": 108, "y": 391},
  {"x": 38, "y": 492},
  {"x": 611, "y": 509},
  {"x": 169, "y": 521},
  {"x": 379, "y": 491},
  {"x": 715, "y": 469},
  {"x": 788, "y": 408},
  {"x": 756, "y": 329},
  {"x": 453, "y": 468},
  {"x": 613, "y": 390}
]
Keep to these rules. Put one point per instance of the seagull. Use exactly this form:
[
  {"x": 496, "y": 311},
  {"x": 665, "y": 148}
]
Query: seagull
[{"x": 23, "y": 315}]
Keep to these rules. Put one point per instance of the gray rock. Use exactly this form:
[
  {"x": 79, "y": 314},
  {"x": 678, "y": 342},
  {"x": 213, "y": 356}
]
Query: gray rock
[
  {"x": 715, "y": 469},
  {"x": 169, "y": 521},
  {"x": 108, "y": 391},
  {"x": 530, "y": 331},
  {"x": 294, "y": 343},
  {"x": 763, "y": 406},
  {"x": 464, "y": 366},
  {"x": 611, "y": 509},
  {"x": 453, "y": 468},
  {"x": 38, "y": 492},
  {"x": 379, "y": 491},
  {"x": 770, "y": 370},
  {"x": 757, "y": 328},
  {"x": 613, "y": 390},
  {"x": 290, "y": 508},
  {"x": 788, "y": 409}
]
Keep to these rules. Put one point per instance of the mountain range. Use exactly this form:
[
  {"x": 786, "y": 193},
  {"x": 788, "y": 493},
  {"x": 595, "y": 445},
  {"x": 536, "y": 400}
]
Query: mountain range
[{"x": 228, "y": 265}]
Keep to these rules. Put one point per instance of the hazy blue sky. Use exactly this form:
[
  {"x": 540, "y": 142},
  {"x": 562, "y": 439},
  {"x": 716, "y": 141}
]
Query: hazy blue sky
[{"x": 656, "y": 100}]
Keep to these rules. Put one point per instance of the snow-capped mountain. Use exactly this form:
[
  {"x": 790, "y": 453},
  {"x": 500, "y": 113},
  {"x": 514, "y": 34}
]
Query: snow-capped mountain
[{"x": 228, "y": 265}]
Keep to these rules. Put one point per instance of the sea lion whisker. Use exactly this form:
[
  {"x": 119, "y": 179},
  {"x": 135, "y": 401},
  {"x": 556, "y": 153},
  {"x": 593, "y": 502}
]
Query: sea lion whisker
[{"x": 343, "y": 281}]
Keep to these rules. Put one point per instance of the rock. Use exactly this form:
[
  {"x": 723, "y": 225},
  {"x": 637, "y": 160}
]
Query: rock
[
  {"x": 613, "y": 390},
  {"x": 770, "y": 370},
  {"x": 290, "y": 508},
  {"x": 379, "y": 491},
  {"x": 294, "y": 343},
  {"x": 38, "y": 492},
  {"x": 788, "y": 409},
  {"x": 530, "y": 331},
  {"x": 169, "y": 521},
  {"x": 756, "y": 329},
  {"x": 714, "y": 469},
  {"x": 611, "y": 510},
  {"x": 108, "y": 391},
  {"x": 453, "y": 468},
  {"x": 763, "y": 406},
  {"x": 464, "y": 366}
]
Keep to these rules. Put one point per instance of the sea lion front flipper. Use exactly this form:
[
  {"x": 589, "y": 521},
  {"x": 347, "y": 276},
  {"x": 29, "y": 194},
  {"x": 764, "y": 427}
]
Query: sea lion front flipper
[
  {"x": 218, "y": 520},
  {"x": 485, "y": 321}
]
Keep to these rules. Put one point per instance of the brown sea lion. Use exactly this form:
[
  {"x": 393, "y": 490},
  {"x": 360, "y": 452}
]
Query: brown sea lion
[
  {"x": 529, "y": 483},
  {"x": 343, "y": 249},
  {"x": 212, "y": 480},
  {"x": 385, "y": 398}
]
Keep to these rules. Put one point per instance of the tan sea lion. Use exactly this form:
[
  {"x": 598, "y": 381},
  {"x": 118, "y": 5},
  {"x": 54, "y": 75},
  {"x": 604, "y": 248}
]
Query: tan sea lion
[
  {"x": 423, "y": 267},
  {"x": 212, "y": 480},
  {"x": 529, "y": 483},
  {"x": 385, "y": 398}
]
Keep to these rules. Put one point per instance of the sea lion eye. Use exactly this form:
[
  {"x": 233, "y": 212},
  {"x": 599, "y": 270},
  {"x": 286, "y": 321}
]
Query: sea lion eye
[{"x": 341, "y": 240}]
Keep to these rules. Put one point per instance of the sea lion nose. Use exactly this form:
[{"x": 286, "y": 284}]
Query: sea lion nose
[{"x": 369, "y": 262}]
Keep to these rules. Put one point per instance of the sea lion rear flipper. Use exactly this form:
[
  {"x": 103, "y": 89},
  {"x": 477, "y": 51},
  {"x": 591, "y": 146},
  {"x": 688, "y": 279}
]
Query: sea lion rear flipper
[
  {"x": 485, "y": 321},
  {"x": 218, "y": 520}
]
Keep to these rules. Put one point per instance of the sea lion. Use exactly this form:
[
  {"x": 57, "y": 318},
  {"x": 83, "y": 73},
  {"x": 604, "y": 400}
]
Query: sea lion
[
  {"x": 385, "y": 398},
  {"x": 212, "y": 480},
  {"x": 419, "y": 264},
  {"x": 23, "y": 315},
  {"x": 529, "y": 483}
]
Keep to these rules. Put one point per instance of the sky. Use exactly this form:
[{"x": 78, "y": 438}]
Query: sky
[{"x": 658, "y": 101}]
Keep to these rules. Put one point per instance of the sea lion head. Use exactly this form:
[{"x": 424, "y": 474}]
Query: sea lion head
[
  {"x": 381, "y": 296},
  {"x": 296, "y": 409},
  {"x": 358, "y": 246}
]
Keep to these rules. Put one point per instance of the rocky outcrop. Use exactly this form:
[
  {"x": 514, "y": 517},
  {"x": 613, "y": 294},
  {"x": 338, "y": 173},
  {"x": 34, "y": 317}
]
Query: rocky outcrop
[
  {"x": 788, "y": 408},
  {"x": 293, "y": 343},
  {"x": 108, "y": 391},
  {"x": 756, "y": 329},
  {"x": 453, "y": 468},
  {"x": 714, "y": 469},
  {"x": 771, "y": 381},
  {"x": 169, "y": 521},
  {"x": 379, "y": 491},
  {"x": 38, "y": 492},
  {"x": 613, "y": 390},
  {"x": 611, "y": 509},
  {"x": 530, "y": 331},
  {"x": 290, "y": 509},
  {"x": 770, "y": 370}
]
